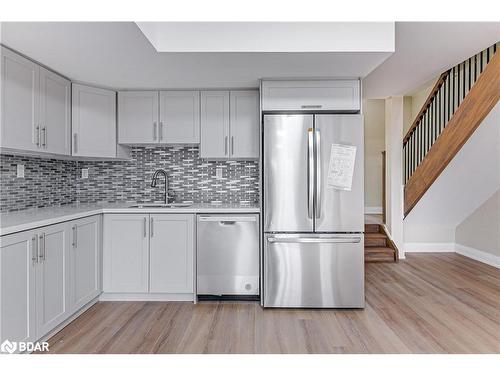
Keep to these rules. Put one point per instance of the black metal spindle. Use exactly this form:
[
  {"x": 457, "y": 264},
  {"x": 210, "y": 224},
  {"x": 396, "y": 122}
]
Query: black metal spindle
[
  {"x": 481, "y": 70},
  {"x": 448, "y": 79},
  {"x": 463, "y": 83},
  {"x": 469, "y": 73}
]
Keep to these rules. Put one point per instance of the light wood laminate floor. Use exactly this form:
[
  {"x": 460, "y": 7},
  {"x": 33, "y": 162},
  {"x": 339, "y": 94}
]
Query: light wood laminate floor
[{"x": 429, "y": 303}]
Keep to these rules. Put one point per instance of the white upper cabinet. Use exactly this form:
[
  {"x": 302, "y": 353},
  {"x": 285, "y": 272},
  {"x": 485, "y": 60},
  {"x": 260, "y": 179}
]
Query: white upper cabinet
[
  {"x": 166, "y": 117},
  {"x": 320, "y": 95},
  {"x": 55, "y": 113},
  {"x": 214, "y": 124},
  {"x": 20, "y": 88},
  {"x": 244, "y": 124},
  {"x": 138, "y": 117},
  {"x": 179, "y": 117},
  {"x": 229, "y": 124},
  {"x": 93, "y": 121},
  {"x": 35, "y": 107}
]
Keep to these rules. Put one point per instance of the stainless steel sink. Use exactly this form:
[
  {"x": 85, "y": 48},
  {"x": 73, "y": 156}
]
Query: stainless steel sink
[{"x": 160, "y": 205}]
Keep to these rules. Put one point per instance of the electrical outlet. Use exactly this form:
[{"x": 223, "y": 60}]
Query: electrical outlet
[
  {"x": 20, "y": 171},
  {"x": 218, "y": 172},
  {"x": 85, "y": 173}
]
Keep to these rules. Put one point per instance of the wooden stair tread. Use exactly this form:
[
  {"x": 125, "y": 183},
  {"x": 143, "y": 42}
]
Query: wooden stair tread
[{"x": 375, "y": 235}]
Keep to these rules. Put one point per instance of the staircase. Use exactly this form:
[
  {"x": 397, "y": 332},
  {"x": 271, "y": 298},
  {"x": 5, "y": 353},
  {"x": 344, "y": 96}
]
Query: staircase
[
  {"x": 459, "y": 102},
  {"x": 378, "y": 246}
]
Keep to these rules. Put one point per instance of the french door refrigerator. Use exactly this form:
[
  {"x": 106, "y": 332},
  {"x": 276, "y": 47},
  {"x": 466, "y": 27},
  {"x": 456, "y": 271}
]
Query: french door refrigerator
[{"x": 313, "y": 230}]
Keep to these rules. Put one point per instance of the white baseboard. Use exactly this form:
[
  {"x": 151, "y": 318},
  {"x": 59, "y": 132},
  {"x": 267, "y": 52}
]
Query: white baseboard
[
  {"x": 146, "y": 297},
  {"x": 429, "y": 247},
  {"x": 479, "y": 255},
  {"x": 373, "y": 210}
]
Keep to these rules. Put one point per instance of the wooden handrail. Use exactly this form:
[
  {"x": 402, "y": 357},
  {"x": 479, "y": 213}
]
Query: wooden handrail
[
  {"x": 427, "y": 103},
  {"x": 480, "y": 100}
]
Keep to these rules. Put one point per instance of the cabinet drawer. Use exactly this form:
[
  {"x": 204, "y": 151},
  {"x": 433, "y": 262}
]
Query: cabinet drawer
[{"x": 330, "y": 95}]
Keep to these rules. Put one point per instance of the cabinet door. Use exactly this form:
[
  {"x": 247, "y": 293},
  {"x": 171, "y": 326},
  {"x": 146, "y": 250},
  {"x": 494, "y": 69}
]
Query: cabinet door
[
  {"x": 94, "y": 121},
  {"x": 171, "y": 247},
  {"x": 19, "y": 107},
  {"x": 214, "y": 124},
  {"x": 179, "y": 117},
  {"x": 52, "y": 281},
  {"x": 138, "y": 117},
  {"x": 314, "y": 95},
  {"x": 17, "y": 287},
  {"x": 126, "y": 253},
  {"x": 84, "y": 261},
  {"x": 55, "y": 107},
  {"x": 244, "y": 124}
]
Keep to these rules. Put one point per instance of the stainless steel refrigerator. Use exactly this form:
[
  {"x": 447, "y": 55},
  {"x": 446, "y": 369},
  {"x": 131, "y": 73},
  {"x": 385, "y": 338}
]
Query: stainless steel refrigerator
[{"x": 313, "y": 231}]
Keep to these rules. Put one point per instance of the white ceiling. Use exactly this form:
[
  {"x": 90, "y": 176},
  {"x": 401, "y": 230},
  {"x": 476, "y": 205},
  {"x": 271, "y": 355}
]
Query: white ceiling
[
  {"x": 270, "y": 36},
  {"x": 117, "y": 55},
  {"x": 423, "y": 51}
]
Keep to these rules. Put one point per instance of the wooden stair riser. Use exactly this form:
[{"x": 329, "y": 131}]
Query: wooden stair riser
[
  {"x": 375, "y": 241},
  {"x": 372, "y": 228}
]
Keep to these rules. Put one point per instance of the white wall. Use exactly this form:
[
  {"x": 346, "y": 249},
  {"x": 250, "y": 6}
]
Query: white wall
[
  {"x": 481, "y": 229},
  {"x": 468, "y": 181},
  {"x": 374, "y": 117},
  {"x": 394, "y": 188}
]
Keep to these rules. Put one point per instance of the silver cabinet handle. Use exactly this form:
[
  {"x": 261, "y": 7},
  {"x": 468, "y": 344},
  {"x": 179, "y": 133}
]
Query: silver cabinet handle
[
  {"x": 314, "y": 240},
  {"x": 154, "y": 131},
  {"x": 311, "y": 106},
  {"x": 37, "y": 136},
  {"x": 144, "y": 227},
  {"x": 310, "y": 174},
  {"x": 317, "y": 142},
  {"x": 41, "y": 248},
  {"x": 34, "y": 249},
  {"x": 232, "y": 145},
  {"x": 75, "y": 239},
  {"x": 225, "y": 145},
  {"x": 44, "y": 136},
  {"x": 161, "y": 131},
  {"x": 151, "y": 226},
  {"x": 75, "y": 143},
  {"x": 227, "y": 218}
]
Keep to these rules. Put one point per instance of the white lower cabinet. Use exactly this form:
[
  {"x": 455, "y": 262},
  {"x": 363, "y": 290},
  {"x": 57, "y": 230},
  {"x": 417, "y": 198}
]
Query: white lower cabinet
[
  {"x": 52, "y": 278},
  {"x": 171, "y": 253},
  {"x": 126, "y": 253},
  {"x": 85, "y": 261},
  {"x": 17, "y": 287},
  {"x": 43, "y": 280},
  {"x": 148, "y": 253}
]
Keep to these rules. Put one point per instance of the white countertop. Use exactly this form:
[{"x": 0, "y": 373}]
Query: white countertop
[{"x": 12, "y": 222}]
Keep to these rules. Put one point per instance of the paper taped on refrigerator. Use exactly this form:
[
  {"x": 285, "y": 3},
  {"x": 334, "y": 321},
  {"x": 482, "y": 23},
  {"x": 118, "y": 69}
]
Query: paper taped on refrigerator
[{"x": 341, "y": 167}]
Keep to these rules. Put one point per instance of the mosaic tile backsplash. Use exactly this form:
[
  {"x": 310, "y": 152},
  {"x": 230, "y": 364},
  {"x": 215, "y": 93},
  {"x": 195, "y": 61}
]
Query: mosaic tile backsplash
[{"x": 51, "y": 182}]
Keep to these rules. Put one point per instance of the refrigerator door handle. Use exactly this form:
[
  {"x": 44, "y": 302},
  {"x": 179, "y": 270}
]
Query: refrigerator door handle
[
  {"x": 314, "y": 240},
  {"x": 310, "y": 173},
  {"x": 317, "y": 142}
]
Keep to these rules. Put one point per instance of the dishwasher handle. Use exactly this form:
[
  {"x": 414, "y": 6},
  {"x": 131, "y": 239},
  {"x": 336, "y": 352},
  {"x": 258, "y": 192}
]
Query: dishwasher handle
[{"x": 227, "y": 219}]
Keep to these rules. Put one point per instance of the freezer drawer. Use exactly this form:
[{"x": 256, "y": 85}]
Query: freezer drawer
[
  {"x": 228, "y": 255},
  {"x": 314, "y": 271}
]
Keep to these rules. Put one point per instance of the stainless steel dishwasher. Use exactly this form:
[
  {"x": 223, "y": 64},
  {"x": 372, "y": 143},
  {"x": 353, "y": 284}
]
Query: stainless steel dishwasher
[{"x": 228, "y": 256}]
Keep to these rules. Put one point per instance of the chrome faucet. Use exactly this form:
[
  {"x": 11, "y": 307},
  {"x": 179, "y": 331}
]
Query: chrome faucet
[{"x": 155, "y": 179}]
